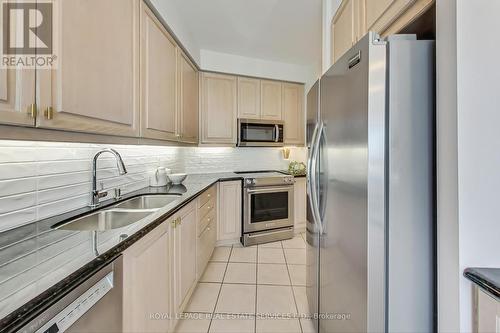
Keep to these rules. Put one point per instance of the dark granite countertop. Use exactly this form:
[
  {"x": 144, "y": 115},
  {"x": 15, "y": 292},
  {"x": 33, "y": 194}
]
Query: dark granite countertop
[
  {"x": 485, "y": 278},
  {"x": 39, "y": 264}
]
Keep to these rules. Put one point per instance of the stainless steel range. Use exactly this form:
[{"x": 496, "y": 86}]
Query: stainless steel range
[{"x": 267, "y": 207}]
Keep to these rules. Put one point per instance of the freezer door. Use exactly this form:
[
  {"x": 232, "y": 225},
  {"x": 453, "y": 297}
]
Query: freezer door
[
  {"x": 312, "y": 234},
  {"x": 312, "y": 112},
  {"x": 352, "y": 104}
]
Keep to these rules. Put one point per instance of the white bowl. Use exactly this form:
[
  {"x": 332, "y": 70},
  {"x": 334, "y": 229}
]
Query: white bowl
[{"x": 177, "y": 178}]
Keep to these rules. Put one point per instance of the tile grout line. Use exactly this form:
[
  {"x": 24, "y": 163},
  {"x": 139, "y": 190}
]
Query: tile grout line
[
  {"x": 256, "y": 289},
  {"x": 220, "y": 290},
  {"x": 291, "y": 286}
]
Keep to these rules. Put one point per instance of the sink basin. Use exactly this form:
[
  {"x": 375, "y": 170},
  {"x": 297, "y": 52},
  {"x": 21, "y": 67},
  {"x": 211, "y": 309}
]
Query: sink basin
[
  {"x": 148, "y": 202},
  {"x": 105, "y": 220}
]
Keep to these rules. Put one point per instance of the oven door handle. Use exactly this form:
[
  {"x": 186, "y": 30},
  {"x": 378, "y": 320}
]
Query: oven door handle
[
  {"x": 268, "y": 190},
  {"x": 277, "y": 133}
]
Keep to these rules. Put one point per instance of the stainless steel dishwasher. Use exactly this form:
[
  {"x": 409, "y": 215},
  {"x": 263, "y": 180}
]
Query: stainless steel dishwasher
[{"x": 95, "y": 306}]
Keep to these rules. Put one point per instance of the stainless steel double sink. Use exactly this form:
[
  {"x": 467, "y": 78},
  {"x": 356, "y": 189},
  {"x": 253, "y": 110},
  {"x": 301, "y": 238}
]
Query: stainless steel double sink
[{"x": 121, "y": 214}]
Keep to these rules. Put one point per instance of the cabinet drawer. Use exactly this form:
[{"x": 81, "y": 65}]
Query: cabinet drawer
[
  {"x": 204, "y": 221},
  {"x": 209, "y": 194},
  {"x": 206, "y": 208},
  {"x": 206, "y": 245}
]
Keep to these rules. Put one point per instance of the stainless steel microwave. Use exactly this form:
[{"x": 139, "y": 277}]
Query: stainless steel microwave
[{"x": 260, "y": 133}]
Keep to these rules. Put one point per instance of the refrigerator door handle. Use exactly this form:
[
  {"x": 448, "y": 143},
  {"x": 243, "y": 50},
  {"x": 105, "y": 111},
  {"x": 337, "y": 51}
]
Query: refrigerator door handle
[
  {"x": 310, "y": 174},
  {"x": 313, "y": 174}
]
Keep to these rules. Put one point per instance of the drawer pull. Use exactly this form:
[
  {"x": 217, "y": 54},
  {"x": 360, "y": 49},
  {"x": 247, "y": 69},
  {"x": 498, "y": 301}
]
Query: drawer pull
[{"x": 208, "y": 207}]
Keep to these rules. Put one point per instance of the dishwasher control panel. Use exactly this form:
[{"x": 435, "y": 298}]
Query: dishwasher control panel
[{"x": 70, "y": 314}]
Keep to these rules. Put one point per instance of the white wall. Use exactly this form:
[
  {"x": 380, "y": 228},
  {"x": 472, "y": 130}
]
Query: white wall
[
  {"x": 236, "y": 64},
  {"x": 478, "y": 140},
  {"x": 468, "y": 220},
  {"x": 171, "y": 16}
]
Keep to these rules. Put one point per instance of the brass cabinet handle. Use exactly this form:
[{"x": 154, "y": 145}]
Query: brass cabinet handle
[
  {"x": 174, "y": 223},
  {"x": 49, "y": 113},
  {"x": 32, "y": 111},
  {"x": 209, "y": 195}
]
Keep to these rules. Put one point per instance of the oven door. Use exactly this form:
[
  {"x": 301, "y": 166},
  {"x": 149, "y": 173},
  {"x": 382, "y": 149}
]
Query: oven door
[
  {"x": 258, "y": 133},
  {"x": 268, "y": 208}
]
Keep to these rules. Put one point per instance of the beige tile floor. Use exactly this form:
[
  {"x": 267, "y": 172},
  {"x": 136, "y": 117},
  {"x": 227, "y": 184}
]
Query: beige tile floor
[{"x": 258, "y": 289}]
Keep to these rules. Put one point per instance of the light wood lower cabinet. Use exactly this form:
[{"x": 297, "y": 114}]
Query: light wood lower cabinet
[
  {"x": 188, "y": 99},
  {"x": 146, "y": 283},
  {"x": 218, "y": 109},
  {"x": 184, "y": 254},
  {"x": 271, "y": 100},
  {"x": 95, "y": 88},
  {"x": 206, "y": 228},
  {"x": 293, "y": 114},
  {"x": 487, "y": 317},
  {"x": 300, "y": 203},
  {"x": 158, "y": 79},
  {"x": 229, "y": 222}
]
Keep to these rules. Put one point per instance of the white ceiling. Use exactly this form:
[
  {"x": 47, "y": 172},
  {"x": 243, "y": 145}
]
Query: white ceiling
[{"x": 286, "y": 31}]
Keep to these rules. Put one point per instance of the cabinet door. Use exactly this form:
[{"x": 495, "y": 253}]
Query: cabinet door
[
  {"x": 229, "y": 227},
  {"x": 248, "y": 98},
  {"x": 218, "y": 109},
  {"x": 188, "y": 100},
  {"x": 95, "y": 88},
  {"x": 299, "y": 206},
  {"x": 271, "y": 100},
  {"x": 381, "y": 13},
  {"x": 185, "y": 255},
  {"x": 344, "y": 29},
  {"x": 17, "y": 94},
  {"x": 146, "y": 283},
  {"x": 293, "y": 114},
  {"x": 159, "y": 79},
  {"x": 488, "y": 313}
]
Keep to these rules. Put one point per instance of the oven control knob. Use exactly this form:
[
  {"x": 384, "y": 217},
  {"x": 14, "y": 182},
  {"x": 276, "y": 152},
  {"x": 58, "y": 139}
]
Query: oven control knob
[{"x": 250, "y": 181}]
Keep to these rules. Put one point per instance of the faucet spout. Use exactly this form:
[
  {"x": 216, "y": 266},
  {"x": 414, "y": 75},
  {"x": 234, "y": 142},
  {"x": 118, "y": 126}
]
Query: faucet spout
[{"x": 121, "y": 170}]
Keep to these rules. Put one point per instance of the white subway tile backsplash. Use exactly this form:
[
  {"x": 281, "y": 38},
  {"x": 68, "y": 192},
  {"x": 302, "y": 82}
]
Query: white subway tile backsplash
[
  {"x": 43, "y": 179},
  {"x": 17, "y": 202},
  {"x": 62, "y": 206},
  {"x": 17, "y": 170},
  {"x": 17, "y": 186},
  {"x": 17, "y": 218}
]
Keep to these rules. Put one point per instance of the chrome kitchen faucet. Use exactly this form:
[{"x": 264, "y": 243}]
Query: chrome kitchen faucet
[{"x": 96, "y": 194}]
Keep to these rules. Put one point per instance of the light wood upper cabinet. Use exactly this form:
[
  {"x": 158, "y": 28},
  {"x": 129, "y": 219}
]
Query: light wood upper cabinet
[
  {"x": 184, "y": 235},
  {"x": 293, "y": 114},
  {"x": 95, "y": 87},
  {"x": 248, "y": 98},
  {"x": 218, "y": 109},
  {"x": 188, "y": 100},
  {"x": 17, "y": 94},
  {"x": 344, "y": 28},
  {"x": 146, "y": 282},
  {"x": 381, "y": 13},
  {"x": 159, "y": 79},
  {"x": 271, "y": 100},
  {"x": 229, "y": 200}
]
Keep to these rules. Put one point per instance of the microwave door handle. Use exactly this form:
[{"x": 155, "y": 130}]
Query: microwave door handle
[{"x": 277, "y": 133}]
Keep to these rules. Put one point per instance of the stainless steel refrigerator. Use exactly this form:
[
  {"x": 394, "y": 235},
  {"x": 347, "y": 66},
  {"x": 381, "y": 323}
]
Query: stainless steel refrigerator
[{"x": 370, "y": 261}]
